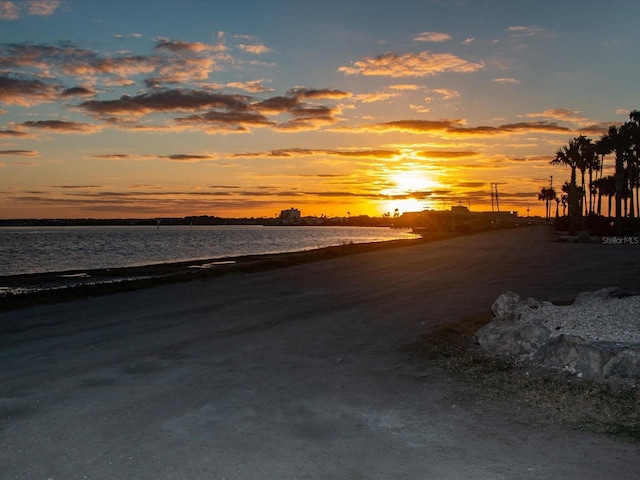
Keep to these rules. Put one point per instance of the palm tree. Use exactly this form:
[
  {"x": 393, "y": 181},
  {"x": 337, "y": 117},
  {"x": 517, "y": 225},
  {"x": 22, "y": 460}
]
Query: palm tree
[
  {"x": 569, "y": 155},
  {"x": 618, "y": 140},
  {"x": 590, "y": 162},
  {"x": 547, "y": 194}
]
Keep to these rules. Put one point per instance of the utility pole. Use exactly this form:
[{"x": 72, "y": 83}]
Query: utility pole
[{"x": 495, "y": 203}]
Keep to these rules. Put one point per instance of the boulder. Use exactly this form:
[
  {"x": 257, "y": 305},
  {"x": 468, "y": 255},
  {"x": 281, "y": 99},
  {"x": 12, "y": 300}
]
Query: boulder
[{"x": 563, "y": 338}]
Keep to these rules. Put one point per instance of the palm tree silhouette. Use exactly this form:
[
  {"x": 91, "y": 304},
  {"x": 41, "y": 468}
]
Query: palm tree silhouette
[
  {"x": 618, "y": 140},
  {"x": 547, "y": 194},
  {"x": 569, "y": 155}
]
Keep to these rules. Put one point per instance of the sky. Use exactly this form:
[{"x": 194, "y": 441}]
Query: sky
[{"x": 145, "y": 109}]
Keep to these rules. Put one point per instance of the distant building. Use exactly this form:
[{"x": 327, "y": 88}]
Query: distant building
[
  {"x": 290, "y": 217},
  {"x": 459, "y": 209}
]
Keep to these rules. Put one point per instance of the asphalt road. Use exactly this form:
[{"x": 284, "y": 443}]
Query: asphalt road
[{"x": 297, "y": 373}]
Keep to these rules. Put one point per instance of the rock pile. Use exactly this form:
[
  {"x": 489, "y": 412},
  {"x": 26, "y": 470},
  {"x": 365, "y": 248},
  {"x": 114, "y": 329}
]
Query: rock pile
[{"x": 597, "y": 337}]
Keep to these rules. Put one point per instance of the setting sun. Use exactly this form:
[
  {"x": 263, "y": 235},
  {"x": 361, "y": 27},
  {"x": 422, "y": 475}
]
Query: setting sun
[{"x": 409, "y": 191}]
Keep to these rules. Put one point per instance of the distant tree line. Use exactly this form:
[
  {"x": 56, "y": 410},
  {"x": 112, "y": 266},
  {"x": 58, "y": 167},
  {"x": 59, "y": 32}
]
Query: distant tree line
[{"x": 582, "y": 197}]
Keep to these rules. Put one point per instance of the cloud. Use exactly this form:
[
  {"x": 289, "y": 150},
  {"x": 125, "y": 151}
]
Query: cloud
[
  {"x": 180, "y": 47},
  {"x": 304, "y": 152},
  {"x": 469, "y": 40},
  {"x": 421, "y": 64},
  {"x": 217, "y": 121},
  {"x": 522, "y": 127},
  {"x": 595, "y": 130},
  {"x": 42, "y": 7},
  {"x": 254, "y": 49},
  {"x": 456, "y": 128},
  {"x": 178, "y": 157},
  {"x": 9, "y": 11},
  {"x": 129, "y": 35},
  {"x": 564, "y": 115},
  {"x": 446, "y": 93},
  {"x": 189, "y": 157},
  {"x": 165, "y": 101},
  {"x": 447, "y": 153},
  {"x": 19, "y": 153},
  {"x": 412, "y": 126},
  {"x": 12, "y": 133},
  {"x": 419, "y": 108},
  {"x": 432, "y": 37},
  {"x": 527, "y": 31},
  {"x": 60, "y": 126},
  {"x": 123, "y": 156},
  {"x": 505, "y": 80},
  {"x": 173, "y": 62},
  {"x": 77, "y": 92},
  {"x": 374, "y": 97},
  {"x": 405, "y": 87},
  {"x": 252, "y": 86},
  {"x": 26, "y": 92},
  {"x": 317, "y": 93},
  {"x": 12, "y": 10}
]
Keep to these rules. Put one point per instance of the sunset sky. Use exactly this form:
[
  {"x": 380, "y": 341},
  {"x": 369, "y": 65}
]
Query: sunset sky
[{"x": 245, "y": 108}]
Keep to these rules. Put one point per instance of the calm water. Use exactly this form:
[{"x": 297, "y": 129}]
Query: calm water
[{"x": 58, "y": 249}]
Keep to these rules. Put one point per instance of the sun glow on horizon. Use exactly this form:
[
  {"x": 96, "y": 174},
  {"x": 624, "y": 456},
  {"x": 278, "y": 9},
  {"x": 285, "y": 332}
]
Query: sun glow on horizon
[{"x": 409, "y": 191}]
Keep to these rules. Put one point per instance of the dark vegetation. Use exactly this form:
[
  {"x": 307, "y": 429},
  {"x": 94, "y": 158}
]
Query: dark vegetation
[
  {"x": 582, "y": 202},
  {"x": 539, "y": 398}
]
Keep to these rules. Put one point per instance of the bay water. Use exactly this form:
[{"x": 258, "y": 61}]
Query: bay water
[{"x": 28, "y": 250}]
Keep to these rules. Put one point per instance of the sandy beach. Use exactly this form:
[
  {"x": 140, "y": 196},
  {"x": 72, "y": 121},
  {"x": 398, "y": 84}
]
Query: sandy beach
[{"x": 294, "y": 373}]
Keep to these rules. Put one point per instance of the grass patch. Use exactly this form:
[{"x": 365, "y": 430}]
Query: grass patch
[{"x": 542, "y": 397}]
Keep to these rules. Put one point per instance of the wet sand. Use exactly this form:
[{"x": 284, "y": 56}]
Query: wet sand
[{"x": 295, "y": 372}]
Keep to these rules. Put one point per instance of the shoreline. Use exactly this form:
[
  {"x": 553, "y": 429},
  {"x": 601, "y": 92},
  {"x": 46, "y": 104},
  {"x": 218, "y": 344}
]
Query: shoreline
[{"x": 23, "y": 290}]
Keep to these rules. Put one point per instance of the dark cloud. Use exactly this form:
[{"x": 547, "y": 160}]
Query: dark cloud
[
  {"x": 277, "y": 104},
  {"x": 61, "y": 126},
  {"x": 180, "y": 47},
  {"x": 457, "y": 128},
  {"x": 13, "y": 133},
  {"x": 189, "y": 158},
  {"x": 313, "y": 93},
  {"x": 123, "y": 156},
  {"x": 77, "y": 92},
  {"x": 19, "y": 153},
  {"x": 165, "y": 101},
  {"x": 26, "y": 92}
]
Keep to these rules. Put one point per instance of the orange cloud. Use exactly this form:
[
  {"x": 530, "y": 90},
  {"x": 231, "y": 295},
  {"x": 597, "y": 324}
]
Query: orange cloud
[
  {"x": 254, "y": 49},
  {"x": 421, "y": 64},
  {"x": 505, "y": 80}
]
